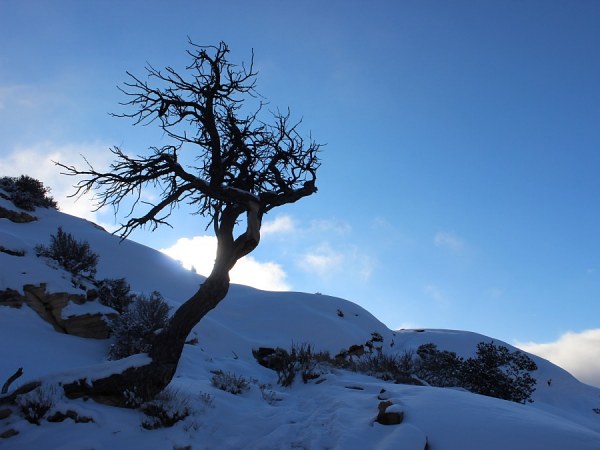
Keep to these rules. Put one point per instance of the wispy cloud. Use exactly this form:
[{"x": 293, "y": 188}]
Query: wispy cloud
[
  {"x": 578, "y": 353},
  {"x": 335, "y": 226},
  {"x": 449, "y": 240},
  {"x": 280, "y": 225},
  {"x": 322, "y": 260},
  {"x": 200, "y": 251},
  {"x": 326, "y": 261}
]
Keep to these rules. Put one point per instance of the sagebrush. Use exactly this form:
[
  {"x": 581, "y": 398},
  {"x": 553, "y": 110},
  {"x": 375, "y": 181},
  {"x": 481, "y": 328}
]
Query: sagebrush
[
  {"x": 35, "y": 405},
  {"x": 135, "y": 329},
  {"x": 27, "y": 193},
  {"x": 115, "y": 293},
  {"x": 74, "y": 256},
  {"x": 230, "y": 382},
  {"x": 494, "y": 371},
  {"x": 165, "y": 410}
]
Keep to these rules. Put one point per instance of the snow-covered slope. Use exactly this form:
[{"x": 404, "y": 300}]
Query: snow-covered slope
[{"x": 338, "y": 412}]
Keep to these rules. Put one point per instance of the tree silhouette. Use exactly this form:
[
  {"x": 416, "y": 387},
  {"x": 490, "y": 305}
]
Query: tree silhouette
[{"x": 227, "y": 163}]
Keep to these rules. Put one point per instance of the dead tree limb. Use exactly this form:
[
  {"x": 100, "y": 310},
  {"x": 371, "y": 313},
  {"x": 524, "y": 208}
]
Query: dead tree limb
[{"x": 11, "y": 379}]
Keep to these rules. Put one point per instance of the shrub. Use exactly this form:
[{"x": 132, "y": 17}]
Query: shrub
[
  {"x": 134, "y": 330},
  {"x": 494, "y": 371},
  {"x": 230, "y": 382},
  {"x": 300, "y": 359},
  {"x": 279, "y": 360},
  {"x": 438, "y": 368},
  {"x": 35, "y": 405},
  {"x": 306, "y": 361},
  {"x": 74, "y": 256},
  {"x": 115, "y": 293},
  {"x": 27, "y": 192},
  {"x": 168, "y": 408},
  {"x": 396, "y": 368},
  {"x": 498, "y": 372}
]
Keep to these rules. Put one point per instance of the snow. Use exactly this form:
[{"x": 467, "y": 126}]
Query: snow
[
  {"x": 73, "y": 309},
  {"x": 337, "y": 412}
]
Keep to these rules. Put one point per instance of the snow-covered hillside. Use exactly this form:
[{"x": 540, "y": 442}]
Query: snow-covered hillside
[{"x": 336, "y": 411}]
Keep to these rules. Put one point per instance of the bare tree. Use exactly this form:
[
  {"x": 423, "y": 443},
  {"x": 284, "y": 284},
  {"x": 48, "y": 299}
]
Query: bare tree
[{"x": 224, "y": 161}]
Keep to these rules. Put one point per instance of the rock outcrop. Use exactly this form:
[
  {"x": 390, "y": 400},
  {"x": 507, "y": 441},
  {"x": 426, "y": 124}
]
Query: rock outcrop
[
  {"x": 17, "y": 217},
  {"x": 50, "y": 306}
]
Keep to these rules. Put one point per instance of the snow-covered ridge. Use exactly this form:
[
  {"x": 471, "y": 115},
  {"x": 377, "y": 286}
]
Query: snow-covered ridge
[{"x": 338, "y": 412}]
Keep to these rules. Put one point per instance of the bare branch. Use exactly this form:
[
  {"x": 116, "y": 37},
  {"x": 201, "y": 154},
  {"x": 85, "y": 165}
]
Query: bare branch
[{"x": 242, "y": 161}]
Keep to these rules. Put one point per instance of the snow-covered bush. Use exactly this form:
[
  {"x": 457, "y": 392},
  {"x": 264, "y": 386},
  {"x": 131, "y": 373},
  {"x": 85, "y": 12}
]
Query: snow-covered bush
[
  {"x": 35, "y": 404},
  {"x": 169, "y": 407},
  {"x": 438, "y": 367},
  {"x": 301, "y": 359},
  {"x": 134, "y": 330},
  {"x": 388, "y": 367},
  {"x": 494, "y": 371},
  {"x": 73, "y": 255},
  {"x": 115, "y": 293},
  {"x": 498, "y": 372},
  {"x": 230, "y": 382},
  {"x": 27, "y": 192}
]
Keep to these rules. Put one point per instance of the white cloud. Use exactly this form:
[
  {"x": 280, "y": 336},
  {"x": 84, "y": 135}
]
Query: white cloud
[
  {"x": 325, "y": 261},
  {"x": 36, "y": 161},
  {"x": 449, "y": 240},
  {"x": 322, "y": 260},
  {"x": 281, "y": 224},
  {"x": 578, "y": 353},
  {"x": 329, "y": 225},
  {"x": 200, "y": 252}
]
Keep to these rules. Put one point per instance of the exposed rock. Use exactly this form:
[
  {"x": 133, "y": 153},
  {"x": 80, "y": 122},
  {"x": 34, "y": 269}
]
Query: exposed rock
[
  {"x": 50, "y": 306},
  {"x": 91, "y": 295},
  {"x": 88, "y": 325},
  {"x": 353, "y": 351},
  {"x": 11, "y": 298},
  {"x": 59, "y": 416},
  {"x": 14, "y": 216},
  {"x": 10, "y": 252},
  {"x": 4, "y": 413},
  {"x": 271, "y": 358},
  {"x": 357, "y": 350},
  {"x": 8, "y": 433},
  {"x": 388, "y": 418}
]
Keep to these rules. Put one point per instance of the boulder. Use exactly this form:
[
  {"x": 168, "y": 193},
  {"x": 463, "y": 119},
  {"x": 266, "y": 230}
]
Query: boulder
[{"x": 385, "y": 417}]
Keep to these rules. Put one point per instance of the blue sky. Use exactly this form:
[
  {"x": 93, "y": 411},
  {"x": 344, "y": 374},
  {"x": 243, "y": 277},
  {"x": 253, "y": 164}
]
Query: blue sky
[{"x": 459, "y": 185}]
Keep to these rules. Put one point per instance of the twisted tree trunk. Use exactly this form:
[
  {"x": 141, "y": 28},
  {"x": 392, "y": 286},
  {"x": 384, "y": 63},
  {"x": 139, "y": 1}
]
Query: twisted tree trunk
[{"x": 144, "y": 382}]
